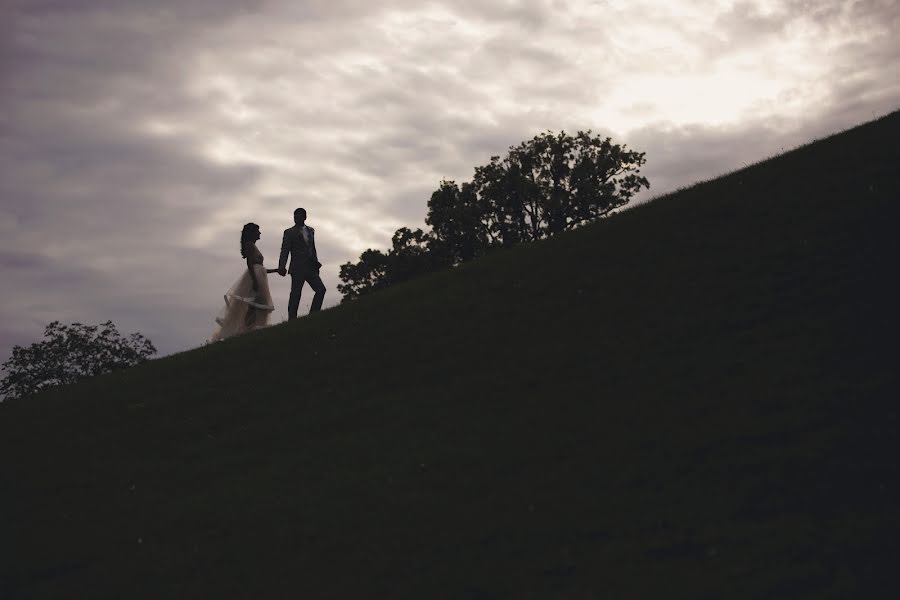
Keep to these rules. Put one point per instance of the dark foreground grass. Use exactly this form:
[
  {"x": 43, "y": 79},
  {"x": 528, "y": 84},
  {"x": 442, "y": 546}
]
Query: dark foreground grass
[{"x": 696, "y": 398}]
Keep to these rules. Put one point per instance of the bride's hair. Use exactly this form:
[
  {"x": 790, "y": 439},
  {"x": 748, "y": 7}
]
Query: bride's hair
[{"x": 246, "y": 236}]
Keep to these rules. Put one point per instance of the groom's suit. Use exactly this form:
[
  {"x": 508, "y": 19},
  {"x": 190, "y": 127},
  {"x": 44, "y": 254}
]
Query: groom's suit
[{"x": 304, "y": 266}]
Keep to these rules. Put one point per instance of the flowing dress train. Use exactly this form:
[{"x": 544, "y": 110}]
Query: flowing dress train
[{"x": 245, "y": 310}]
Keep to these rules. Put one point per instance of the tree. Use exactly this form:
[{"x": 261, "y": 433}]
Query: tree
[
  {"x": 365, "y": 276},
  {"x": 70, "y": 353},
  {"x": 408, "y": 257},
  {"x": 458, "y": 233},
  {"x": 544, "y": 186}
]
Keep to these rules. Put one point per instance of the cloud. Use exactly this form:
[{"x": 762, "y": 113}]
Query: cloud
[{"x": 137, "y": 137}]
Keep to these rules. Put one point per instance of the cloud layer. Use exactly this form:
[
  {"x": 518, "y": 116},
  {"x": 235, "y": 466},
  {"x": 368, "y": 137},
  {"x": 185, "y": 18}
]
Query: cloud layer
[{"x": 136, "y": 138}]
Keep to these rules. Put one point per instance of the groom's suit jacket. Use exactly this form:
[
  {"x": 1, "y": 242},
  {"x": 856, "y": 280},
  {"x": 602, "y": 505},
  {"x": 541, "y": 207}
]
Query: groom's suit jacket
[{"x": 303, "y": 255}]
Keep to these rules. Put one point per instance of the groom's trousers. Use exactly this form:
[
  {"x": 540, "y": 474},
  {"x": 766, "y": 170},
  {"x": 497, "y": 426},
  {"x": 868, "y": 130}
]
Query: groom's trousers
[{"x": 298, "y": 278}]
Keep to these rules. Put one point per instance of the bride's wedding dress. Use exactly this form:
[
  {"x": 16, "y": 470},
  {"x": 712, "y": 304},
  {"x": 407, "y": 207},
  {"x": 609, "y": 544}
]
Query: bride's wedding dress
[{"x": 245, "y": 310}]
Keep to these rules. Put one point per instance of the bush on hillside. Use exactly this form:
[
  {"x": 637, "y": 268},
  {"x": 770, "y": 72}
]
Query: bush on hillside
[{"x": 70, "y": 353}]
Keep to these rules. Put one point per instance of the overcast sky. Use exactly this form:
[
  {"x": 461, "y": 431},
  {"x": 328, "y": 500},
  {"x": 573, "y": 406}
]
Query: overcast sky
[{"x": 137, "y": 137}]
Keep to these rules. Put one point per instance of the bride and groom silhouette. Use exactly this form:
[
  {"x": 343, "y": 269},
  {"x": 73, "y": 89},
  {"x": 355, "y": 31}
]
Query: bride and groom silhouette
[{"x": 248, "y": 303}]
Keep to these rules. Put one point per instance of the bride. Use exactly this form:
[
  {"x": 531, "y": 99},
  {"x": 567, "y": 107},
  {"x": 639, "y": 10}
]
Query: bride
[{"x": 248, "y": 303}]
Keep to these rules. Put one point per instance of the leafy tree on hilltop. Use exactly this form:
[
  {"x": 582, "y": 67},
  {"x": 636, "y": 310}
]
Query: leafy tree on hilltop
[
  {"x": 456, "y": 219},
  {"x": 552, "y": 183},
  {"x": 70, "y": 353},
  {"x": 544, "y": 186},
  {"x": 408, "y": 257},
  {"x": 367, "y": 275}
]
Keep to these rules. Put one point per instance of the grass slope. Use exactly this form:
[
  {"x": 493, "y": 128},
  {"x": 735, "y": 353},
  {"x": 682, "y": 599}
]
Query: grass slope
[{"x": 693, "y": 399}]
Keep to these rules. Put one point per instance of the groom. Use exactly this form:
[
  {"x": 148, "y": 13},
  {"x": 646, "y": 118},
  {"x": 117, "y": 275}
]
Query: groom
[{"x": 300, "y": 242}]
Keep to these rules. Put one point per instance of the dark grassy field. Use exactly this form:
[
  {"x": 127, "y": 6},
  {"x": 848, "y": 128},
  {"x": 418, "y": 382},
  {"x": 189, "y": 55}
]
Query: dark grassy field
[{"x": 696, "y": 398}]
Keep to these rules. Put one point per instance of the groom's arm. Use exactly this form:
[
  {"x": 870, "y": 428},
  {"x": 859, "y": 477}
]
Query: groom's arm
[
  {"x": 285, "y": 250},
  {"x": 313, "y": 253}
]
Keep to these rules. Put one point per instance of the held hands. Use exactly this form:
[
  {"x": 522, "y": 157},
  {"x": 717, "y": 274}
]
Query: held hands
[{"x": 283, "y": 272}]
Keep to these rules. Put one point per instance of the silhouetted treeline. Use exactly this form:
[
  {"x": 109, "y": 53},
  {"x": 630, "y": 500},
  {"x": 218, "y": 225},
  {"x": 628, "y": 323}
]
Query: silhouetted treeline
[
  {"x": 542, "y": 187},
  {"x": 70, "y": 353}
]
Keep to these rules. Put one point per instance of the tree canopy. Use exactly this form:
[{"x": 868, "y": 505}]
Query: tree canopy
[
  {"x": 542, "y": 187},
  {"x": 70, "y": 353},
  {"x": 408, "y": 257}
]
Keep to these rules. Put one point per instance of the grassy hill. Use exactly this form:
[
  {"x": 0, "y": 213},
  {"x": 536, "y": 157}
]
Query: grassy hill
[{"x": 696, "y": 398}]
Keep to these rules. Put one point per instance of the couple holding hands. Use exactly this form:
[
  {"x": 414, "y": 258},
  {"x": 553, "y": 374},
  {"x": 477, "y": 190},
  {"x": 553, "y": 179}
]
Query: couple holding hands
[{"x": 248, "y": 303}]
